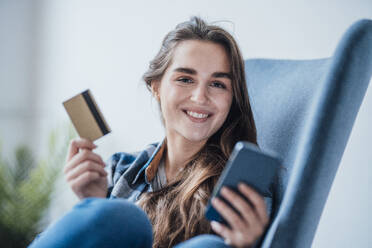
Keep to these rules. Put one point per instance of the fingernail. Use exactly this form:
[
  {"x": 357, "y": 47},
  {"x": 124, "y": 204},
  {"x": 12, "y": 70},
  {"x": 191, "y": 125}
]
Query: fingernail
[
  {"x": 215, "y": 225},
  {"x": 243, "y": 185},
  {"x": 227, "y": 241},
  {"x": 224, "y": 190}
]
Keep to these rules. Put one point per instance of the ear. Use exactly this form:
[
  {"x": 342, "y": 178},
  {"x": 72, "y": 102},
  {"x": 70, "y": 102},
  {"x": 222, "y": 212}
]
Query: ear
[{"x": 155, "y": 89}]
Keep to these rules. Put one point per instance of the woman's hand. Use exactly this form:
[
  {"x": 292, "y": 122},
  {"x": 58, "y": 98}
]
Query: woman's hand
[
  {"x": 245, "y": 229},
  {"x": 84, "y": 170}
]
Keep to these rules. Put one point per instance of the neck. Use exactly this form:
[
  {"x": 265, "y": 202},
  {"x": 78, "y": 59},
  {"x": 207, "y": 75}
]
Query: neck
[{"x": 179, "y": 151}]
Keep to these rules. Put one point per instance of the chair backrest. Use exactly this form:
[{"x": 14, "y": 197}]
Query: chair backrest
[{"x": 304, "y": 112}]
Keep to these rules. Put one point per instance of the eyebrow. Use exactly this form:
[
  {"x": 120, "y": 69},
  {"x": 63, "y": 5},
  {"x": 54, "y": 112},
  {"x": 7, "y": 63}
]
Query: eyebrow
[{"x": 193, "y": 72}]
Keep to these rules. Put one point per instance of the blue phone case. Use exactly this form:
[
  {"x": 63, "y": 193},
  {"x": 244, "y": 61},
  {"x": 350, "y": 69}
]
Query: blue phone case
[{"x": 246, "y": 164}]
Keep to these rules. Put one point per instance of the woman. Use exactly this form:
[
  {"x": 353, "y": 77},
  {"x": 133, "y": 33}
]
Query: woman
[{"x": 199, "y": 82}]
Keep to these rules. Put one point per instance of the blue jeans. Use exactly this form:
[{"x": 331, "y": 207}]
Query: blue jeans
[{"x": 97, "y": 222}]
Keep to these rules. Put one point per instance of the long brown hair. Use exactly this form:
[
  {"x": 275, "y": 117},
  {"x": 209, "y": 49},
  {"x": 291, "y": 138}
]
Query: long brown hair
[{"x": 177, "y": 210}]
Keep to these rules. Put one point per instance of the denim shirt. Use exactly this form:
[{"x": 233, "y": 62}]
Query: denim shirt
[{"x": 130, "y": 174}]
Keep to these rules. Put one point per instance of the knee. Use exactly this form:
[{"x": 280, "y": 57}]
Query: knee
[
  {"x": 118, "y": 219},
  {"x": 98, "y": 222},
  {"x": 119, "y": 214}
]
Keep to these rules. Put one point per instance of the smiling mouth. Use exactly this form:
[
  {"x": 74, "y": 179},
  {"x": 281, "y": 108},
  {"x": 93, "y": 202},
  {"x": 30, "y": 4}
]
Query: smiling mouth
[{"x": 197, "y": 117}]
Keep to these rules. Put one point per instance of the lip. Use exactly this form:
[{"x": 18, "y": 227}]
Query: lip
[
  {"x": 197, "y": 120},
  {"x": 199, "y": 111}
]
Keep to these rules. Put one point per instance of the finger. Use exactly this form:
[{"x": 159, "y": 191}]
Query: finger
[
  {"x": 228, "y": 214},
  {"x": 81, "y": 157},
  {"x": 83, "y": 180},
  {"x": 257, "y": 201},
  {"x": 234, "y": 238},
  {"x": 88, "y": 165},
  {"x": 241, "y": 205},
  {"x": 222, "y": 230},
  {"x": 77, "y": 144}
]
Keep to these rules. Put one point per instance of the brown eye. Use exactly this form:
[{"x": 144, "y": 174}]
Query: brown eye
[
  {"x": 185, "y": 80},
  {"x": 218, "y": 85}
]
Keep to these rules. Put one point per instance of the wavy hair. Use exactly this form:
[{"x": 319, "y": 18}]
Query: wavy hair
[{"x": 177, "y": 210}]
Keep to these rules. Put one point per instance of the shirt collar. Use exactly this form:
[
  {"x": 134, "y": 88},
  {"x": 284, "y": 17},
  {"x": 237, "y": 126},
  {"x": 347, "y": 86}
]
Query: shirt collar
[{"x": 151, "y": 166}]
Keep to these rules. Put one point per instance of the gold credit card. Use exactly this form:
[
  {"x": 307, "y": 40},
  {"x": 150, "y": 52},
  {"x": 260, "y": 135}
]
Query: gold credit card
[{"x": 86, "y": 116}]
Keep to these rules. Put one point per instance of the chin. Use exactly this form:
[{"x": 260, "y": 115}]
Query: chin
[{"x": 195, "y": 137}]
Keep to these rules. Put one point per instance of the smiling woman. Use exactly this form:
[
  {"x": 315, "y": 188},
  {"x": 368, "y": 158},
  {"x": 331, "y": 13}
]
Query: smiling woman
[
  {"x": 199, "y": 82},
  {"x": 198, "y": 79}
]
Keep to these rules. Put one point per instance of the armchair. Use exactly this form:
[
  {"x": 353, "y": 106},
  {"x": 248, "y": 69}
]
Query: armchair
[{"x": 304, "y": 111}]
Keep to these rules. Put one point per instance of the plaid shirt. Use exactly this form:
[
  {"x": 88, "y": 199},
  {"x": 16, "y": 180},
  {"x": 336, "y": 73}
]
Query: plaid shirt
[{"x": 129, "y": 175}]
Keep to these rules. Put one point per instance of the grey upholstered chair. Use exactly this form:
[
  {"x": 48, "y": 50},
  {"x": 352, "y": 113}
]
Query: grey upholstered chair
[{"x": 304, "y": 111}]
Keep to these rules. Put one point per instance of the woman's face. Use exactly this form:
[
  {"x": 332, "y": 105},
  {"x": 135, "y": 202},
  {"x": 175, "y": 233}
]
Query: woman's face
[{"x": 196, "y": 90}]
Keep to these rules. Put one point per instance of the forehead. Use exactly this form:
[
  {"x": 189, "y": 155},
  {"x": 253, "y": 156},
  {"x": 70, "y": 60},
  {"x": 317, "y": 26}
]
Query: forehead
[{"x": 203, "y": 56}]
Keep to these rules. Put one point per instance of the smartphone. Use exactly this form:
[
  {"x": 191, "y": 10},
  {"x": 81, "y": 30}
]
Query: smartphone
[{"x": 248, "y": 164}]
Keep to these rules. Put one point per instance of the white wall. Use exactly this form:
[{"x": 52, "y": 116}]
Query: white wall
[
  {"x": 17, "y": 71},
  {"x": 106, "y": 46}
]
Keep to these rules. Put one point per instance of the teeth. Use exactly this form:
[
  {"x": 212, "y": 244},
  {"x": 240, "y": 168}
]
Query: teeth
[{"x": 196, "y": 115}]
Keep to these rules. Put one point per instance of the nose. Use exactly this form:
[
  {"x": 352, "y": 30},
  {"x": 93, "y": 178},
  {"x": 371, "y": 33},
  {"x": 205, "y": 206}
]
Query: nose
[{"x": 200, "y": 94}]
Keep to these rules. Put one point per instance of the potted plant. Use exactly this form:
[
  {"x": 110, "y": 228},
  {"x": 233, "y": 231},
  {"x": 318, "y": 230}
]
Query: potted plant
[{"x": 26, "y": 186}]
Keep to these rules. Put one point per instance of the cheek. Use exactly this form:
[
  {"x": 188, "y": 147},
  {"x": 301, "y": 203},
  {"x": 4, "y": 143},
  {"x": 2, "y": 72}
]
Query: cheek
[
  {"x": 224, "y": 106},
  {"x": 169, "y": 101}
]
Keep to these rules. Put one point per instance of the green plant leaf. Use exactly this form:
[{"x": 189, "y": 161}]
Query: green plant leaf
[{"x": 27, "y": 186}]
